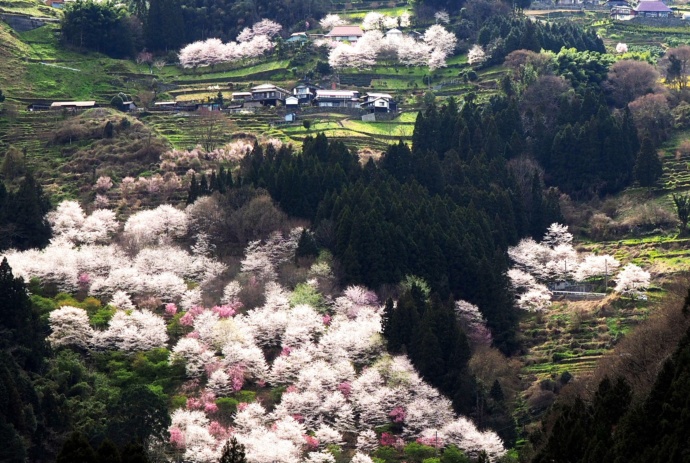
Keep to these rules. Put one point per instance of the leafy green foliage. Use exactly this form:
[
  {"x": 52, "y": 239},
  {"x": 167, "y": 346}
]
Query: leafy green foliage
[
  {"x": 307, "y": 294},
  {"x": 418, "y": 452},
  {"x": 583, "y": 67},
  {"x": 103, "y": 27},
  {"x": 452, "y": 454},
  {"x": 502, "y": 35}
]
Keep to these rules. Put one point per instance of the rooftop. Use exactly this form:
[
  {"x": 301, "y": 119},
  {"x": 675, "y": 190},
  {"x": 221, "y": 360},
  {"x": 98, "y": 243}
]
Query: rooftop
[
  {"x": 268, "y": 87},
  {"x": 79, "y": 104},
  {"x": 337, "y": 93},
  {"x": 345, "y": 31},
  {"x": 652, "y": 6}
]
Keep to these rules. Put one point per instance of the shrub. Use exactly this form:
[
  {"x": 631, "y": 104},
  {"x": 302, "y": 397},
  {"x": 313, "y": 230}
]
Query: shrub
[
  {"x": 418, "y": 453},
  {"x": 386, "y": 454},
  {"x": 683, "y": 149},
  {"x": 227, "y": 406},
  {"x": 178, "y": 401},
  {"x": 100, "y": 318},
  {"x": 452, "y": 454},
  {"x": 246, "y": 396}
]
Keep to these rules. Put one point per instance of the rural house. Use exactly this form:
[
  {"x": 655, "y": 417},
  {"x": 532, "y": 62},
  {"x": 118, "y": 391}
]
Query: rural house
[
  {"x": 379, "y": 102},
  {"x": 337, "y": 98},
  {"x": 269, "y": 94},
  {"x": 345, "y": 33},
  {"x": 305, "y": 92},
  {"x": 653, "y": 9}
]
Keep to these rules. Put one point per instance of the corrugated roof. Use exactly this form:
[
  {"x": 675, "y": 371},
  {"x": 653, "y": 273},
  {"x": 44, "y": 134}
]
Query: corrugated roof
[
  {"x": 336, "y": 93},
  {"x": 345, "y": 31},
  {"x": 79, "y": 104},
  {"x": 380, "y": 95},
  {"x": 652, "y": 6},
  {"x": 266, "y": 87}
]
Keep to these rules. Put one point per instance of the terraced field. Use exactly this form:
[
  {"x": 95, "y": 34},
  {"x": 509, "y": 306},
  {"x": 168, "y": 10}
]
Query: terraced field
[
  {"x": 574, "y": 335},
  {"x": 676, "y": 162}
]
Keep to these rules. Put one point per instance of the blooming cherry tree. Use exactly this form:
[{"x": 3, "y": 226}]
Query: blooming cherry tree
[
  {"x": 476, "y": 55},
  {"x": 70, "y": 327},
  {"x": 442, "y": 17},
  {"x": 138, "y": 330},
  {"x": 632, "y": 281},
  {"x": 329, "y": 21}
]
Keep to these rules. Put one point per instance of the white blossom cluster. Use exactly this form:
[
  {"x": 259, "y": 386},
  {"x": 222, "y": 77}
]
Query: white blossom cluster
[
  {"x": 373, "y": 47},
  {"x": 251, "y": 43},
  {"x": 319, "y": 360},
  {"x": 380, "y": 21},
  {"x": 129, "y": 331},
  {"x": 337, "y": 377},
  {"x": 80, "y": 259},
  {"x": 555, "y": 260}
]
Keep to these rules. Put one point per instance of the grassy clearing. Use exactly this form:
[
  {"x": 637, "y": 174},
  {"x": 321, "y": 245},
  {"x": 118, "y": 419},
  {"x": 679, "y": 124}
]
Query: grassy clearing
[
  {"x": 187, "y": 76},
  {"x": 408, "y": 117},
  {"x": 49, "y": 72},
  {"x": 358, "y": 16},
  {"x": 390, "y": 129},
  {"x": 28, "y": 8}
]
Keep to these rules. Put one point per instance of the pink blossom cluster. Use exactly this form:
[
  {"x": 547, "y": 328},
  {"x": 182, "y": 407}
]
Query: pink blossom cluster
[
  {"x": 159, "y": 186},
  {"x": 337, "y": 375},
  {"x": 373, "y": 47},
  {"x": 251, "y": 43}
]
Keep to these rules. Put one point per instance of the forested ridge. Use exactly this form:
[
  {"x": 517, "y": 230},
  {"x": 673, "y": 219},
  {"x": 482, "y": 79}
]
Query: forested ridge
[{"x": 331, "y": 301}]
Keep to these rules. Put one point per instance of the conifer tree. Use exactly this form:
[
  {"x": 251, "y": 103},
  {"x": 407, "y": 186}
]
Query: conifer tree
[
  {"x": 682, "y": 203},
  {"x": 648, "y": 167},
  {"x": 193, "y": 192},
  {"x": 107, "y": 452},
  {"x": 28, "y": 209},
  {"x": 233, "y": 452},
  {"x": 76, "y": 449}
]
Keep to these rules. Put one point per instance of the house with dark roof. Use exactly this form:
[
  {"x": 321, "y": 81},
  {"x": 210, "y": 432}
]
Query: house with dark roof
[
  {"x": 345, "y": 33},
  {"x": 379, "y": 102},
  {"x": 269, "y": 94},
  {"x": 652, "y": 9},
  {"x": 305, "y": 92}
]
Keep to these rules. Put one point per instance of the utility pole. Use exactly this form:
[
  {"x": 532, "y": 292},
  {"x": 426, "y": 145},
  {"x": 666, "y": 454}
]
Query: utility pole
[{"x": 606, "y": 275}]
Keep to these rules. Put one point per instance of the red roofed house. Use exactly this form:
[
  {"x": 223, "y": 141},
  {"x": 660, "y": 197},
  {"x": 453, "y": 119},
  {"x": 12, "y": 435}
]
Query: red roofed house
[
  {"x": 345, "y": 33},
  {"x": 653, "y": 9}
]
